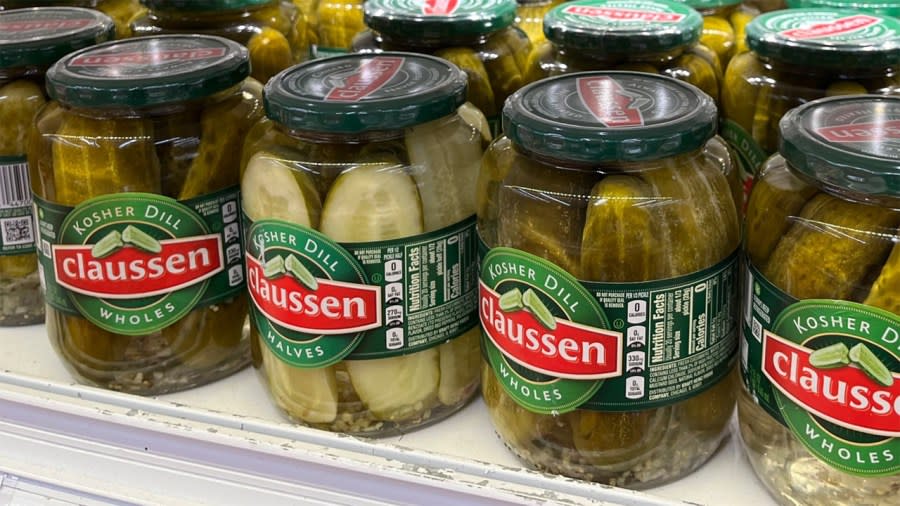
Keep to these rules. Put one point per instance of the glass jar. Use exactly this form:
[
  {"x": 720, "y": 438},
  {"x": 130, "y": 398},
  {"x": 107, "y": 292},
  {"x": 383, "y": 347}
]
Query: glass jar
[
  {"x": 796, "y": 56},
  {"x": 765, "y": 5},
  {"x": 121, "y": 11},
  {"x": 274, "y": 31},
  {"x": 819, "y": 413},
  {"x": 883, "y": 7},
  {"x": 530, "y": 17},
  {"x": 337, "y": 22},
  {"x": 135, "y": 172},
  {"x": 359, "y": 198},
  {"x": 724, "y": 26},
  {"x": 655, "y": 36},
  {"x": 592, "y": 206},
  {"x": 30, "y": 41},
  {"x": 476, "y": 35}
]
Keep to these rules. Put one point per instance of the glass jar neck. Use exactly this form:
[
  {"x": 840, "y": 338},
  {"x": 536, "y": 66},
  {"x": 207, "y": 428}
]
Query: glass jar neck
[
  {"x": 597, "y": 60},
  {"x": 27, "y": 72},
  {"x": 179, "y": 17},
  {"x": 339, "y": 138},
  {"x": 687, "y": 160},
  {"x": 398, "y": 42},
  {"x": 791, "y": 68}
]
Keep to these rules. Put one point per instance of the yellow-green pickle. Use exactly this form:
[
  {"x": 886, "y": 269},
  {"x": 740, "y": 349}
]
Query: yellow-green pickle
[
  {"x": 530, "y": 17},
  {"x": 359, "y": 200},
  {"x": 608, "y": 288},
  {"x": 274, "y": 31},
  {"x": 819, "y": 414},
  {"x": 476, "y": 35},
  {"x": 724, "y": 26},
  {"x": 885, "y": 7},
  {"x": 336, "y": 23},
  {"x": 796, "y": 56},
  {"x": 121, "y": 11},
  {"x": 30, "y": 41},
  {"x": 135, "y": 171},
  {"x": 653, "y": 36}
]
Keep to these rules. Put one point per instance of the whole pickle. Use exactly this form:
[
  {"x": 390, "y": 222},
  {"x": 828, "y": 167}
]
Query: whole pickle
[
  {"x": 480, "y": 93},
  {"x": 885, "y": 292}
]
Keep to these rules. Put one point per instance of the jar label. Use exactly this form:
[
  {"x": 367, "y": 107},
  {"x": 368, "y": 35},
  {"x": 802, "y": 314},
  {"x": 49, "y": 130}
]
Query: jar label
[
  {"x": 614, "y": 14},
  {"x": 828, "y": 26},
  {"x": 439, "y": 7},
  {"x": 557, "y": 344},
  {"x": 829, "y": 370},
  {"x": 750, "y": 155},
  {"x": 369, "y": 77},
  {"x": 609, "y": 102},
  {"x": 840, "y": 26},
  {"x": 316, "y": 302},
  {"x": 16, "y": 218},
  {"x": 135, "y": 263}
]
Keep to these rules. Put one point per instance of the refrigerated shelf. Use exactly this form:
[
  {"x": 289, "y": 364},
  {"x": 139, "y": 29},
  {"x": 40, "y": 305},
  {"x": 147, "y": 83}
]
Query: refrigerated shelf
[{"x": 226, "y": 443}]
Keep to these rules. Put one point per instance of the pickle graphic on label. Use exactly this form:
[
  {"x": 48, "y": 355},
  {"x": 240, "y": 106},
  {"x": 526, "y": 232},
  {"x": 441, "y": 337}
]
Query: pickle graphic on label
[
  {"x": 862, "y": 356},
  {"x": 274, "y": 267},
  {"x": 140, "y": 239},
  {"x": 511, "y": 301},
  {"x": 533, "y": 303},
  {"x": 295, "y": 268},
  {"x": 110, "y": 243},
  {"x": 829, "y": 357}
]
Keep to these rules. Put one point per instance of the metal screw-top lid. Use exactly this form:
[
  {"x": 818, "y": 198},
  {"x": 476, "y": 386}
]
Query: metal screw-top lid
[
  {"x": 830, "y": 38},
  {"x": 703, "y": 5},
  {"x": 365, "y": 92},
  {"x": 623, "y": 26},
  {"x": 42, "y": 35},
  {"x": 884, "y": 7},
  {"x": 432, "y": 21},
  {"x": 204, "y": 5},
  {"x": 850, "y": 143},
  {"x": 609, "y": 116},
  {"x": 148, "y": 71}
]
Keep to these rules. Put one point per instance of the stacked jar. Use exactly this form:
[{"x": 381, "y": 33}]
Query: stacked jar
[
  {"x": 121, "y": 11},
  {"x": 135, "y": 169},
  {"x": 821, "y": 368},
  {"x": 337, "y": 22},
  {"x": 476, "y": 35},
  {"x": 796, "y": 56},
  {"x": 884, "y": 7},
  {"x": 359, "y": 203},
  {"x": 530, "y": 17},
  {"x": 30, "y": 41},
  {"x": 654, "y": 36},
  {"x": 724, "y": 26},
  {"x": 275, "y": 31},
  {"x": 605, "y": 220}
]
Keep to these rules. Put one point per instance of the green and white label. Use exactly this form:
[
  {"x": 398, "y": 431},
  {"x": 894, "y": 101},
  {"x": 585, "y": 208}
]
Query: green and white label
[
  {"x": 135, "y": 263},
  {"x": 830, "y": 371},
  {"x": 832, "y": 27},
  {"x": 16, "y": 219},
  {"x": 557, "y": 344},
  {"x": 316, "y": 302}
]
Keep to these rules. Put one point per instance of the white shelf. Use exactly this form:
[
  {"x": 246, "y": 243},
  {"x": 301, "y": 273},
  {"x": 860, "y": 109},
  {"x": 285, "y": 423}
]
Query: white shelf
[{"x": 225, "y": 443}]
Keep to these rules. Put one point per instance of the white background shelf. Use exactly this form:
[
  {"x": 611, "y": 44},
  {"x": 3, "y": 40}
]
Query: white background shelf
[{"x": 225, "y": 443}]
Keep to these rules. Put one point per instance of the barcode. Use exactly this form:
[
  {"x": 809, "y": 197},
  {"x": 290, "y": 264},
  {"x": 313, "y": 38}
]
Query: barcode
[
  {"x": 15, "y": 189},
  {"x": 17, "y": 231}
]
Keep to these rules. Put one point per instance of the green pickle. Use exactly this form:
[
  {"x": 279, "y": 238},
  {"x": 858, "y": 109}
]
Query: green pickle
[
  {"x": 822, "y": 228},
  {"x": 784, "y": 68},
  {"x": 608, "y": 215},
  {"x": 25, "y": 55},
  {"x": 530, "y": 17},
  {"x": 390, "y": 170},
  {"x": 122, "y": 12},
  {"x": 581, "y": 40},
  {"x": 86, "y": 148}
]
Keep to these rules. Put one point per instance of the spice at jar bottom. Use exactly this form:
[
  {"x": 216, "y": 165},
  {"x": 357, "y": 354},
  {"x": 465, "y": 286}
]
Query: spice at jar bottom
[{"x": 592, "y": 259}]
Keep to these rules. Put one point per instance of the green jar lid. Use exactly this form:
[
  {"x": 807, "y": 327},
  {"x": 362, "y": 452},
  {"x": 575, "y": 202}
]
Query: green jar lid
[
  {"x": 826, "y": 38},
  {"x": 703, "y": 5},
  {"x": 884, "y": 7},
  {"x": 365, "y": 92},
  {"x": 430, "y": 21},
  {"x": 148, "y": 71},
  {"x": 203, "y": 5},
  {"x": 609, "y": 116},
  {"x": 42, "y": 35},
  {"x": 850, "y": 143},
  {"x": 623, "y": 26}
]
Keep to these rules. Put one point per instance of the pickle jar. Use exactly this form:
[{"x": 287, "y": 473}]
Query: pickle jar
[
  {"x": 608, "y": 291},
  {"x": 359, "y": 199},
  {"x": 476, "y": 35},
  {"x": 796, "y": 56},
  {"x": 765, "y": 5},
  {"x": 724, "y": 26},
  {"x": 653, "y": 36},
  {"x": 337, "y": 22},
  {"x": 884, "y": 7},
  {"x": 121, "y": 11},
  {"x": 135, "y": 169},
  {"x": 819, "y": 414},
  {"x": 530, "y": 17},
  {"x": 30, "y": 41},
  {"x": 275, "y": 31}
]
